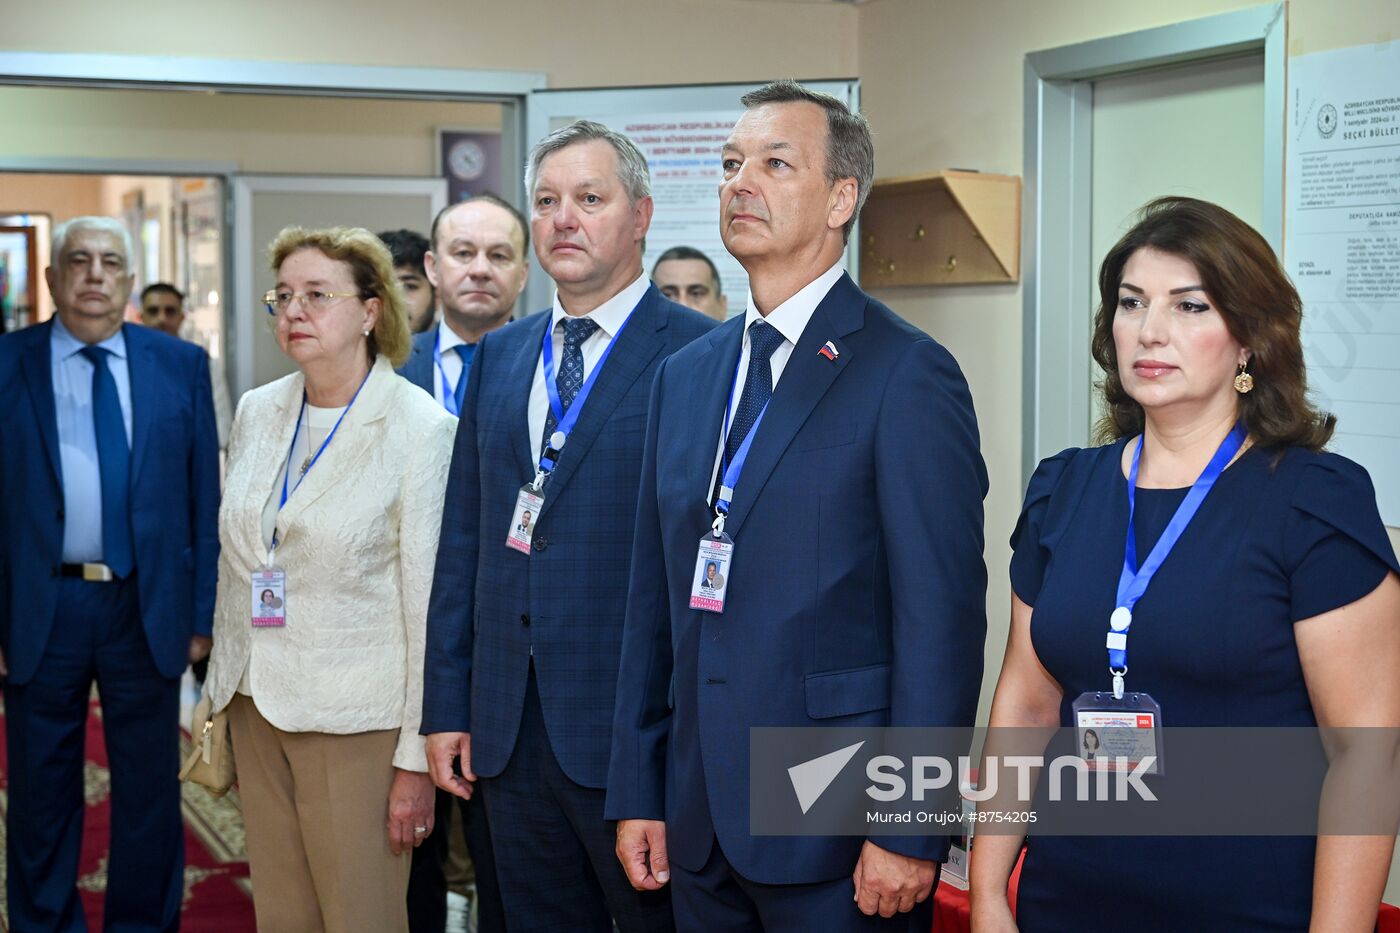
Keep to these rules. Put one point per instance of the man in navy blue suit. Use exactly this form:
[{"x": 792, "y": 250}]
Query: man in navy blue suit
[
  {"x": 525, "y": 621},
  {"x": 478, "y": 263},
  {"x": 109, "y": 492},
  {"x": 855, "y": 586}
]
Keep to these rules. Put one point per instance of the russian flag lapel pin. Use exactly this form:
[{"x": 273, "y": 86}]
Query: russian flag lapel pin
[{"x": 829, "y": 351}]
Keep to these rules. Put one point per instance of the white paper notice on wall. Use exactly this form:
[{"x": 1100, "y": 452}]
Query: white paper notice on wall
[{"x": 1342, "y": 247}]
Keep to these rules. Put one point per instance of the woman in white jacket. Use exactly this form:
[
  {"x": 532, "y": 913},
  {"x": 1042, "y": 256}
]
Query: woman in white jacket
[{"x": 333, "y": 502}]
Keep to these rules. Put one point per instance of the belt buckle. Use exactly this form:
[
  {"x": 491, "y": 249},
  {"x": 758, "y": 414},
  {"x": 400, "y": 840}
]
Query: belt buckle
[{"x": 97, "y": 573}]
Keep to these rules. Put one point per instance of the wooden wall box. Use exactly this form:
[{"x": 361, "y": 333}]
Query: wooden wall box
[{"x": 948, "y": 228}]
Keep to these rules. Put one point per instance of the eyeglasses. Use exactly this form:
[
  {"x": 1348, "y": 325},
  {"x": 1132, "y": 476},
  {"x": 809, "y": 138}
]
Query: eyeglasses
[{"x": 278, "y": 301}]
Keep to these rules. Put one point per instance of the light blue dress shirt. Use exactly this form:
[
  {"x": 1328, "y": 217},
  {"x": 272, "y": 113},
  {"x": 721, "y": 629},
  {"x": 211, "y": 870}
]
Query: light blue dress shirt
[{"x": 77, "y": 436}]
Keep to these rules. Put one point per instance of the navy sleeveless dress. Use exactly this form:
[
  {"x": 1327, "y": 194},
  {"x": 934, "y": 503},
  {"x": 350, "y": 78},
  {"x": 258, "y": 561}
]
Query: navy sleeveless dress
[{"x": 1280, "y": 538}]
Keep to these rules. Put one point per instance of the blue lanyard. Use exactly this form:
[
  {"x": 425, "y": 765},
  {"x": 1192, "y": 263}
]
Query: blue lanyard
[
  {"x": 449, "y": 393},
  {"x": 320, "y": 450},
  {"x": 564, "y": 420},
  {"x": 1134, "y": 580},
  {"x": 731, "y": 470}
]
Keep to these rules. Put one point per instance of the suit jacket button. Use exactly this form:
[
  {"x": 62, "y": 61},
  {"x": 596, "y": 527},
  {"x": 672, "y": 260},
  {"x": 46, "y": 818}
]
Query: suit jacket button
[
  {"x": 541, "y": 544},
  {"x": 524, "y": 618},
  {"x": 60, "y": 514},
  {"x": 57, "y": 569}
]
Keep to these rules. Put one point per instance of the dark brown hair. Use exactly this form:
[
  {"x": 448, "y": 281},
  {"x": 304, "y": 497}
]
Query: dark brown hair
[{"x": 1258, "y": 303}]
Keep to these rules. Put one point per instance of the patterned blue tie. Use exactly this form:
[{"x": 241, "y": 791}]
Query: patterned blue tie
[
  {"x": 570, "y": 377},
  {"x": 764, "y": 338},
  {"x": 466, "y": 351},
  {"x": 114, "y": 464}
]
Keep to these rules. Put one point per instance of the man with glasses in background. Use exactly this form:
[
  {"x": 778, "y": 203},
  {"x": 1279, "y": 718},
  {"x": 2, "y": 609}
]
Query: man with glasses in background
[{"x": 110, "y": 481}]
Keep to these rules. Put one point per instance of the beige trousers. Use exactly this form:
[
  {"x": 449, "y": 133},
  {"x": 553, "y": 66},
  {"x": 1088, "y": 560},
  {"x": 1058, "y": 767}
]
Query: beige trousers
[{"x": 316, "y": 809}]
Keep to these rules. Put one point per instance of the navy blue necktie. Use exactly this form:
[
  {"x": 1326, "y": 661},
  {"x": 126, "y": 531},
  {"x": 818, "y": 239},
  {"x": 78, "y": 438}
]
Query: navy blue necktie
[
  {"x": 570, "y": 377},
  {"x": 466, "y": 351},
  {"x": 114, "y": 464},
  {"x": 764, "y": 338}
]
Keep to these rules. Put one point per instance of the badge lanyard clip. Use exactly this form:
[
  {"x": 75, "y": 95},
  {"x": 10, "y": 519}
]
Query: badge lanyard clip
[{"x": 548, "y": 459}]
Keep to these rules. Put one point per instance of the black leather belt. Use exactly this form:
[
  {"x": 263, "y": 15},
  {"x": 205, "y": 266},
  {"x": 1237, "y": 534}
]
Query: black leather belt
[{"x": 92, "y": 573}]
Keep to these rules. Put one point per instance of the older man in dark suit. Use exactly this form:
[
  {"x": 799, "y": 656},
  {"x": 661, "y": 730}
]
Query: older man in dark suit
[
  {"x": 109, "y": 490},
  {"x": 525, "y": 626}
]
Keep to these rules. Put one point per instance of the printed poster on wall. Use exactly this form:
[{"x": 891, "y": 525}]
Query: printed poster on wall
[
  {"x": 1342, "y": 247},
  {"x": 683, "y": 154}
]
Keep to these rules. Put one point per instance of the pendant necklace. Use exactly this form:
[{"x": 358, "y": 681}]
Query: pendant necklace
[{"x": 310, "y": 448}]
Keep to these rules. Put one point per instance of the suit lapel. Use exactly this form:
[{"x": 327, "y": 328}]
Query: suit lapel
[
  {"x": 420, "y": 368},
  {"x": 145, "y": 392},
  {"x": 633, "y": 350},
  {"x": 519, "y": 383},
  {"x": 352, "y": 443},
  {"x": 711, "y": 380},
  {"x": 37, "y": 361},
  {"x": 274, "y": 439},
  {"x": 805, "y": 380}
]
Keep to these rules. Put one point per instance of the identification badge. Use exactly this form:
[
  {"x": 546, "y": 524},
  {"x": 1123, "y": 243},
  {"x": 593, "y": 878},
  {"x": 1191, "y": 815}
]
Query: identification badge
[
  {"x": 712, "y": 565},
  {"x": 522, "y": 520},
  {"x": 1118, "y": 735},
  {"x": 269, "y": 592}
]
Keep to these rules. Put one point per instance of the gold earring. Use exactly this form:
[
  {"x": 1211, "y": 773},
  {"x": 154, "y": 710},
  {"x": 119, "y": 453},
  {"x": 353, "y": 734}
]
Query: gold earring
[{"x": 1244, "y": 382}]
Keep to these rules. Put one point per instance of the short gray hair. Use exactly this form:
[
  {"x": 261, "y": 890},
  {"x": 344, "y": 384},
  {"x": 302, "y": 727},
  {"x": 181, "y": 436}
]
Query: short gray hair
[
  {"x": 850, "y": 152},
  {"x": 631, "y": 164},
  {"x": 111, "y": 225}
]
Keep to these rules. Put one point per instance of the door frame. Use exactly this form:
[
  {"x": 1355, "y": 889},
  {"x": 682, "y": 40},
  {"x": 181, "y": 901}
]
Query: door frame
[
  {"x": 1058, "y": 164},
  {"x": 510, "y": 89}
]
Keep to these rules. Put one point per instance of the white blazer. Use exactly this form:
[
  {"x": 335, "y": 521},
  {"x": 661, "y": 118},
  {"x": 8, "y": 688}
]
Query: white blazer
[{"x": 358, "y": 541}]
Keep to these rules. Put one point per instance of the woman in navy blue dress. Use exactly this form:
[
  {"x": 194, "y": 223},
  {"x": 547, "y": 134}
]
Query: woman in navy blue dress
[{"x": 1278, "y": 606}]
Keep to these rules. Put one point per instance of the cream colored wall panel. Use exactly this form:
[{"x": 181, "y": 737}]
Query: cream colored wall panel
[
  {"x": 261, "y": 133},
  {"x": 602, "y": 43}
]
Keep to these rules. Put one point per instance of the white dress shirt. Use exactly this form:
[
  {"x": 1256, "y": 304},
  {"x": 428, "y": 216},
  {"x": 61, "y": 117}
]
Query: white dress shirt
[
  {"x": 451, "y": 362},
  {"x": 609, "y": 316},
  {"x": 790, "y": 318},
  {"x": 71, "y": 374}
]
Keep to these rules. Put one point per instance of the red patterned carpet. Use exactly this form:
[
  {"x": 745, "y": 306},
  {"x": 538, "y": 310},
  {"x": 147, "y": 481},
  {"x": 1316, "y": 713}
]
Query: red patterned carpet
[{"x": 217, "y": 898}]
